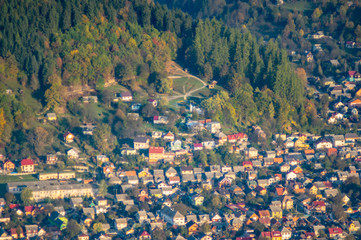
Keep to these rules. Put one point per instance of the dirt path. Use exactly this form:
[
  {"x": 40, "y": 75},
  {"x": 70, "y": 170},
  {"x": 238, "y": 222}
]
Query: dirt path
[{"x": 176, "y": 70}]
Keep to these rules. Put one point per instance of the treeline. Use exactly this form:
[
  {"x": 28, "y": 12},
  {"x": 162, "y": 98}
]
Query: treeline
[
  {"x": 89, "y": 42},
  {"x": 292, "y": 21},
  {"x": 61, "y": 43}
]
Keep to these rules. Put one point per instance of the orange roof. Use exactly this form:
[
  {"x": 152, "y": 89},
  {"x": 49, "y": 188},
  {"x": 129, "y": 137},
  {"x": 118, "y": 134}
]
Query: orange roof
[
  {"x": 357, "y": 101},
  {"x": 130, "y": 173},
  {"x": 309, "y": 151},
  {"x": 278, "y": 175},
  {"x": 278, "y": 160},
  {"x": 279, "y": 191}
]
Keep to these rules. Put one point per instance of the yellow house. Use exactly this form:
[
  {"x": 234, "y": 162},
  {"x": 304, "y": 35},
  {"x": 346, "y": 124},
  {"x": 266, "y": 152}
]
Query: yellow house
[
  {"x": 144, "y": 173},
  {"x": 354, "y": 226},
  {"x": 207, "y": 185},
  {"x": 51, "y": 116},
  {"x": 276, "y": 212},
  {"x": 313, "y": 190}
]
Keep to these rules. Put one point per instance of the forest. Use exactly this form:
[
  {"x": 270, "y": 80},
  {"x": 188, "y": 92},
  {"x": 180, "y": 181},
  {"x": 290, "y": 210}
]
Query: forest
[{"x": 46, "y": 47}]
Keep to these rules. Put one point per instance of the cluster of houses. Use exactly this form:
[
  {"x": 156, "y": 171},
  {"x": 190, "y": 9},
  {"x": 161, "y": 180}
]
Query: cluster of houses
[
  {"x": 274, "y": 189},
  {"x": 300, "y": 206}
]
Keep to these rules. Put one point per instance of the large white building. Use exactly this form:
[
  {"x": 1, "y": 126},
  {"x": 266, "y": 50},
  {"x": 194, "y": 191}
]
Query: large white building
[{"x": 52, "y": 189}]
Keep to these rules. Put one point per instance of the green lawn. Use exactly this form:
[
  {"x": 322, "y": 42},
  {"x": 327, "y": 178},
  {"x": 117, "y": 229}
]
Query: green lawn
[
  {"x": 23, "y": 178},
  {"x": 175, "y": 101},
  {"x": 188, "y": 83},
  {"x": 203, "y": 93}
]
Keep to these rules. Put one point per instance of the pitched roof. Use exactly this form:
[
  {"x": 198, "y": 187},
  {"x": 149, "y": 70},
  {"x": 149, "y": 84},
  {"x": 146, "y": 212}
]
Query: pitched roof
[
  {"x": 153, "y": 150},
  {"x": 26, "y": 162}
]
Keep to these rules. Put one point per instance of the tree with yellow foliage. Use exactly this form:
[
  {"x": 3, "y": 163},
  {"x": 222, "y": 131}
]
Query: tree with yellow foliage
[{"x": 2, "y": 122}]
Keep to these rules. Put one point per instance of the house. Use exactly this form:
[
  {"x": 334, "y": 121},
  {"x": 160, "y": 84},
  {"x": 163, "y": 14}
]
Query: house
[
  {"x": 9, "y": 166},
  {"x": 73, "y": 153},
  {"x": 157, "y": 134},
  {"x": 88, "y": 128},
  {"x": 31, "y": 230},
  {"x": 197, "y": 146},
  {"x": 51, "y": 159},
  {"x": 196, "y": 199},
  {"x": 69, "y": 137},
  {"x": 126, "y": 96},
  {"x": 155, "y": 154},
  {"x": 90, "y": 99},
  {"x": 120, "y": 223},
  {"x": 213, "y": 127},
  {"x": 354, "y": 226},
  {"x": 144, "y": 235},
  {"x": 276, "y": 235},
  {"x": 153, "y": 102},
  {"x": 172, "y": 216},
  {"x": 338, "y": 141},
  {"x": 276, "y": 211},
  {"x": 169, "y": 136},
  {"x": 353, "y": 76},
  {"x": 287, "y": 202},
  {"x": 350, "y": 138},
  {"x": 335, "y": 232},
  {"x": 142, "y": 216},
  {"x": 318, "y": 206},
  {"x": 318, "y": 35},
  {"x": 136, "y": 106},
  {"x": 51, "y": 116},
  {"x": 27, "y": 166},
  {"x": 238, "y": 137},
  {"x": 286, "y": 233},
  {"x": 209, "y": 144},
  {"x": 192, "y": 227},
  {"x": 17, "y": 233},
  {"x": 309, "y": 57},
  {"x": 355, "y": 103},
  {"x": 171, "y": 172},
  {"x": 83, "y": 236},
  {"x": 160, "y": 120},
  {"x": 252, "y": 153},
  {"x": 291, "y": 176},
  {"x": 322, "y": 144},
  {"x": 221, "y": 138},
  {"x": 175, "y": 145},
  {"x": 141, "y": 143}
]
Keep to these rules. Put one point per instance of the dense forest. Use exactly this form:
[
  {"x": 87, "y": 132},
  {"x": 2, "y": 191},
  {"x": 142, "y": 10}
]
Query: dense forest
[
  {"x": 48, "y": 46},
  {"x": 292, "y": 19}
]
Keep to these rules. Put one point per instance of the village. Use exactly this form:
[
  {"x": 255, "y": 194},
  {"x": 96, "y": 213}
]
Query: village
[{"x": 288, "y": 192}]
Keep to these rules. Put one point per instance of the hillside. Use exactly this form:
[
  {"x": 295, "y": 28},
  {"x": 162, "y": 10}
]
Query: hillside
[{"x": 59, "y": 51}]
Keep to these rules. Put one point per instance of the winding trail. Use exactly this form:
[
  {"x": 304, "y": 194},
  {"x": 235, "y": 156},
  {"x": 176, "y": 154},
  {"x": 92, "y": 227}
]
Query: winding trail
[{"x": 176, "y": 69}]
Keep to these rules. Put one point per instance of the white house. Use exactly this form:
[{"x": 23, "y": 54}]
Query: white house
[
  {"x": 286, "y": 233},
  {"x": 73, "y": 154},
  {"x": 291, "y": 176},
  {"x": 172, "y": 217},
  {"x": 338, "y": 140},
  {"x": 322, "y": 144},
  {"x": 213, "y": 127}
]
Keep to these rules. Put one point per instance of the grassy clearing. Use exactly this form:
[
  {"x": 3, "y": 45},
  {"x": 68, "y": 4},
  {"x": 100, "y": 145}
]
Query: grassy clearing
[
  {"x": 175, "y": 101},
  {"x": 23, "y": 178},
  {"x": 300, "y": 6},
  {"x": 188, "y": 83},
  {"x": 203, "y": 93}
]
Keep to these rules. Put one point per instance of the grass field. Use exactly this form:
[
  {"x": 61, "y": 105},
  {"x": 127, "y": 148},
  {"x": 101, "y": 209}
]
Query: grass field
[
  {"x": 203, "y": 93},
  {"x": 188, "y": 83},
  {"x": 23, "y": 178}
]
